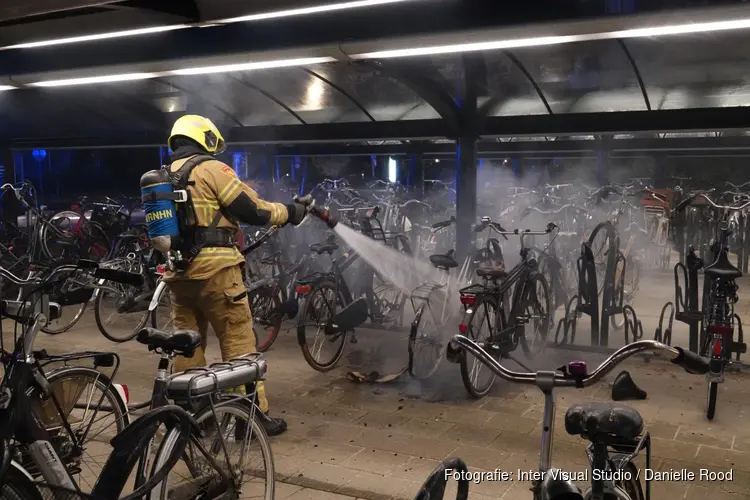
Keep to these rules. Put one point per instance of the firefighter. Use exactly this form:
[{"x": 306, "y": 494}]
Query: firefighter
[{"x": 211, "y": 289}]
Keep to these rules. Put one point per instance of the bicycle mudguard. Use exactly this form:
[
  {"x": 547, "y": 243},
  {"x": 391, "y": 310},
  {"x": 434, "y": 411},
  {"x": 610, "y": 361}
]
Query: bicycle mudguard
[
  {"x": 157, "y": 296},
  {"x": 557, "y": 487},
  {"x": 349, "y": 317}
]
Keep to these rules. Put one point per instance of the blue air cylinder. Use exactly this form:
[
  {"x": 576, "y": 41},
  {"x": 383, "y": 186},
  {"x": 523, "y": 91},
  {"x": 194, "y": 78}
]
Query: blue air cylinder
[{"x": 161, "y": 214}]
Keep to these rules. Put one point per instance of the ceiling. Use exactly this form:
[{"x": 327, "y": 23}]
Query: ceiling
[{"x": 568, "y": 85}]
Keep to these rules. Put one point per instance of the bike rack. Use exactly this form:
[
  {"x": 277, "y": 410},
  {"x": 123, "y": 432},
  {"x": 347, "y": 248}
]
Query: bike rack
[
  {"x": 587, "y": 300},
  {"x": 685, "y": 308}
]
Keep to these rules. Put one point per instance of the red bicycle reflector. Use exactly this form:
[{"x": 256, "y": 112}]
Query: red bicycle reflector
[
  {"x": 462, "y": 328},
  {"x": 717, "y": 349},
  {"x": 161, "y": 269},
  {"x": 720, "y": 329},
  {"x": 302, "y": 289},
  {"x": 468, "y": 300}
]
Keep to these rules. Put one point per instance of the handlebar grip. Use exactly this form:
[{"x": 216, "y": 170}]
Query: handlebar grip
[
  {"x": 691, "y": 362},
  {"x": 118, "y": 276},
  {"x": 445, "y": 223}
]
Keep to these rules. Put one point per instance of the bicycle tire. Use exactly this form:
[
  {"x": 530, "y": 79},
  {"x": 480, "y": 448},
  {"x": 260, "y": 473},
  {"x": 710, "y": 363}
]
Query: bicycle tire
[
  {"x": 98, "y": 317},
  {"x": 50, "y": 330},
  {"x": 600, "y": 271},
  {"x": 260, "y": 438},
  {"x": 14, "y": 485},
  {"x": 635, "y": 266},
  {"x": 424, "y": 317},
  {"x": 271, "y": 301},
  {"x": 305, "y": 305},
  {"x": 489, "y": 306},
  {"x": 547, "y": 321},
  {"x": 112, "y": 400},
  {"x": 713, "y": 393}
]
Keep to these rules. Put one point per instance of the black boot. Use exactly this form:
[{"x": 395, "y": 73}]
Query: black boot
[
  {"x": 624, "y": 388},
  {"x": 273, "y": 426}
]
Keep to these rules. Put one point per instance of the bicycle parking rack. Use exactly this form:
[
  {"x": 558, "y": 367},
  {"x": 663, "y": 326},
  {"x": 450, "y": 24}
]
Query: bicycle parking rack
[
  {"x": 685, "y": 309},
  {"x": 587, "y": 300}
]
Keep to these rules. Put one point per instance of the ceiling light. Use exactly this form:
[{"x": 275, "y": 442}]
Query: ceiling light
[
  {"x": 284, "y": 63},
  {"x": 6, "y": 87},
  {"x": 558, "y": 39},
  {"x": 125, "y": 77},
  {"x": 310, "y": 10},
  {"x": 99, "y": 36}
]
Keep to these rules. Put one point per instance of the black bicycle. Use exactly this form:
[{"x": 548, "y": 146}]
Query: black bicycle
[
  {"x": 498, "y": 322},
  {"x": 719, "y": 297}
]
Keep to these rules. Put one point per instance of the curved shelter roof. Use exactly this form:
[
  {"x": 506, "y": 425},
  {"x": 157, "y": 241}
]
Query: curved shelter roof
[{"x": 604, "y": 84}]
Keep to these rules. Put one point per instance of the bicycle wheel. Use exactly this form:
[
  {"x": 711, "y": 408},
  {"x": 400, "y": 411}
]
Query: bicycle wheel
[
  {"x": 95, "y": 244},
  {"x": 117, "y": 316},
  {"x": 93, "y": 409},
  {"x": 425, "y": 347},
  {"x": 631, "y": 282},
  {"x": 265, "y": 304},
  {"x": 713, "y": 393},
  {"x": 631, "y": 485},
  {"x": 316, "y": 310},
  {"x": 599, "y": 243},
  {"x": 14, "y": 485},
  {"x": 69, "y": 314},
  {"x": 536, "y": 310},
  {"x": 194, "y": 476},
  {"x": 477, "y": 378}
]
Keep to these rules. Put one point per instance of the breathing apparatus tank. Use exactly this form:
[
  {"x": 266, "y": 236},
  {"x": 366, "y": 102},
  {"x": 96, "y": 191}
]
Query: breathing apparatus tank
[{"x": 161, "y": 211}]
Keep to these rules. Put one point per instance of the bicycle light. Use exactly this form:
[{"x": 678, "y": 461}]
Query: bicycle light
[
  {"x": 463, "y": 328},
  {"x": 468, "y": 300},
  {"x": 303, "y": 289}
]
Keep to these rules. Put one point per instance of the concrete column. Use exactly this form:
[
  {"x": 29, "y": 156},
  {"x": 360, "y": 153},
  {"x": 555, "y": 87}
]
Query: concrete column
[
  {"x": 466, "y": 193},
  {"x": 8, "y": 164}
]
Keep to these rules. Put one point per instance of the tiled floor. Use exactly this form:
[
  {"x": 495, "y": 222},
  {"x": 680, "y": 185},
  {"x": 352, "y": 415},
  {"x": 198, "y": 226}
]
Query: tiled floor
[{"x": 347, "y": 440}]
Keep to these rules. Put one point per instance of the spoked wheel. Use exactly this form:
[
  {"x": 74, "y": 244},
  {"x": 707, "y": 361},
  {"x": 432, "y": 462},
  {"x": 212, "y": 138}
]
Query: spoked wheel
[
  {"x": 116, "y": 313},
  {"x": 599, "y": 243},
  {"x": 713, "y": 393},
  {"x": 265, "y": 304},
  {"x": 386, "y": 302},
  {"x": 631, "y": 485},
  {"x": 321, "y": 350},
  {"x": 477, "y": 378},
  {"x": 538, "y": 316},
  {"x": 427, "y": 343},
  {"x": 73, "y": 298},
  {"x": 631, "y": 282}
]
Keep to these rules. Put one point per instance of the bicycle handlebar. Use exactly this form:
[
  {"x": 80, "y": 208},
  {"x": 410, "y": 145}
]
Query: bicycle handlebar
[
  {"x": 690, "y": 361},
  {"x": 264, "y": 237},
  {"x": 116, "y": 275},
  {"x": 703, "y": 194},
  {"x": 486, "y": 222},
  {"x": 444, "y": 224}
]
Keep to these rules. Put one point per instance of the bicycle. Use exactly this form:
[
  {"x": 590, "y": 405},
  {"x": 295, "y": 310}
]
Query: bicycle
[
  {"x": 719, "y": 298},
  {"x": 206, "y": 394},
  {"x": 488, "y": 303},
  {"x": 426, "y": 345},
  {"x": 23, "y": 433},
  {"x": 322, "y": 295},
  {"x": 615, "y": 431}
]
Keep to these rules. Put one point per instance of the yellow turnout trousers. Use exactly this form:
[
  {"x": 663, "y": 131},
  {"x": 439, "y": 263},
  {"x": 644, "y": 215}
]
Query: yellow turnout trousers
[{"x": 220, "y": 301}]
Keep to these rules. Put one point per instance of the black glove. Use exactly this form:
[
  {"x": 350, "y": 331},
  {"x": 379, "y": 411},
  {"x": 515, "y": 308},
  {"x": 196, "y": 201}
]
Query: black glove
[
  {"x": 300, "y": 208},
  {"x": 297, "y": 212}
]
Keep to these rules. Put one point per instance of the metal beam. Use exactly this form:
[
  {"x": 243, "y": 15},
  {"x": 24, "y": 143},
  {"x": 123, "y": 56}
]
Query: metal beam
[
  {"x": 186, "y": 9},
  {"x": 636, "y": 71},
  {"x": 672, "y": 120},
  {"x": 341, "y": 91}
]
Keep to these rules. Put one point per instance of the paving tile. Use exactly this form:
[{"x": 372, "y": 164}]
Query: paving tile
[
  {"x": 724, "y": 459},
  {"x": 371, "y": 485},
  {"x": 415, "y": 468},
  {"x": 429, "y": 447},
  {"x": 675, "y": 450},
  {"x": 705, "y": 436},
  {"x": 310, "y": 494},
  {"x": 377, "y": 461},
  {"x": 388, "y": 440},
  {"x": 343, "y": 414},
  {"x": 284, "y": 490},
  {"x": 470, "y": 434},
  {"x": 380, "y": 420},
  {"x": 335, "y": 432},
  {"x": 322, "y": 476},
  {"x": 506, "y": 422},
  {"x": 425, "y": 427}
]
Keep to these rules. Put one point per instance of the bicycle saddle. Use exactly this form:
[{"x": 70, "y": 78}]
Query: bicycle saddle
[
  {"x": 444, "y": 261},
  {"x": 598, "y": 420},
  {"x": 183, "y": 342},
  {"x": 625, "y": 388},
  {"x": 722, "y": 268},
  {"x": 325, "y": 247},
  {"x": 492, "y": 273}
]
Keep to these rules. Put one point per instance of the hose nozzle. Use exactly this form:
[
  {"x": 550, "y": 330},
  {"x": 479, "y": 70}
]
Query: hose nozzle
[{"x": 325, "y": 216}]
